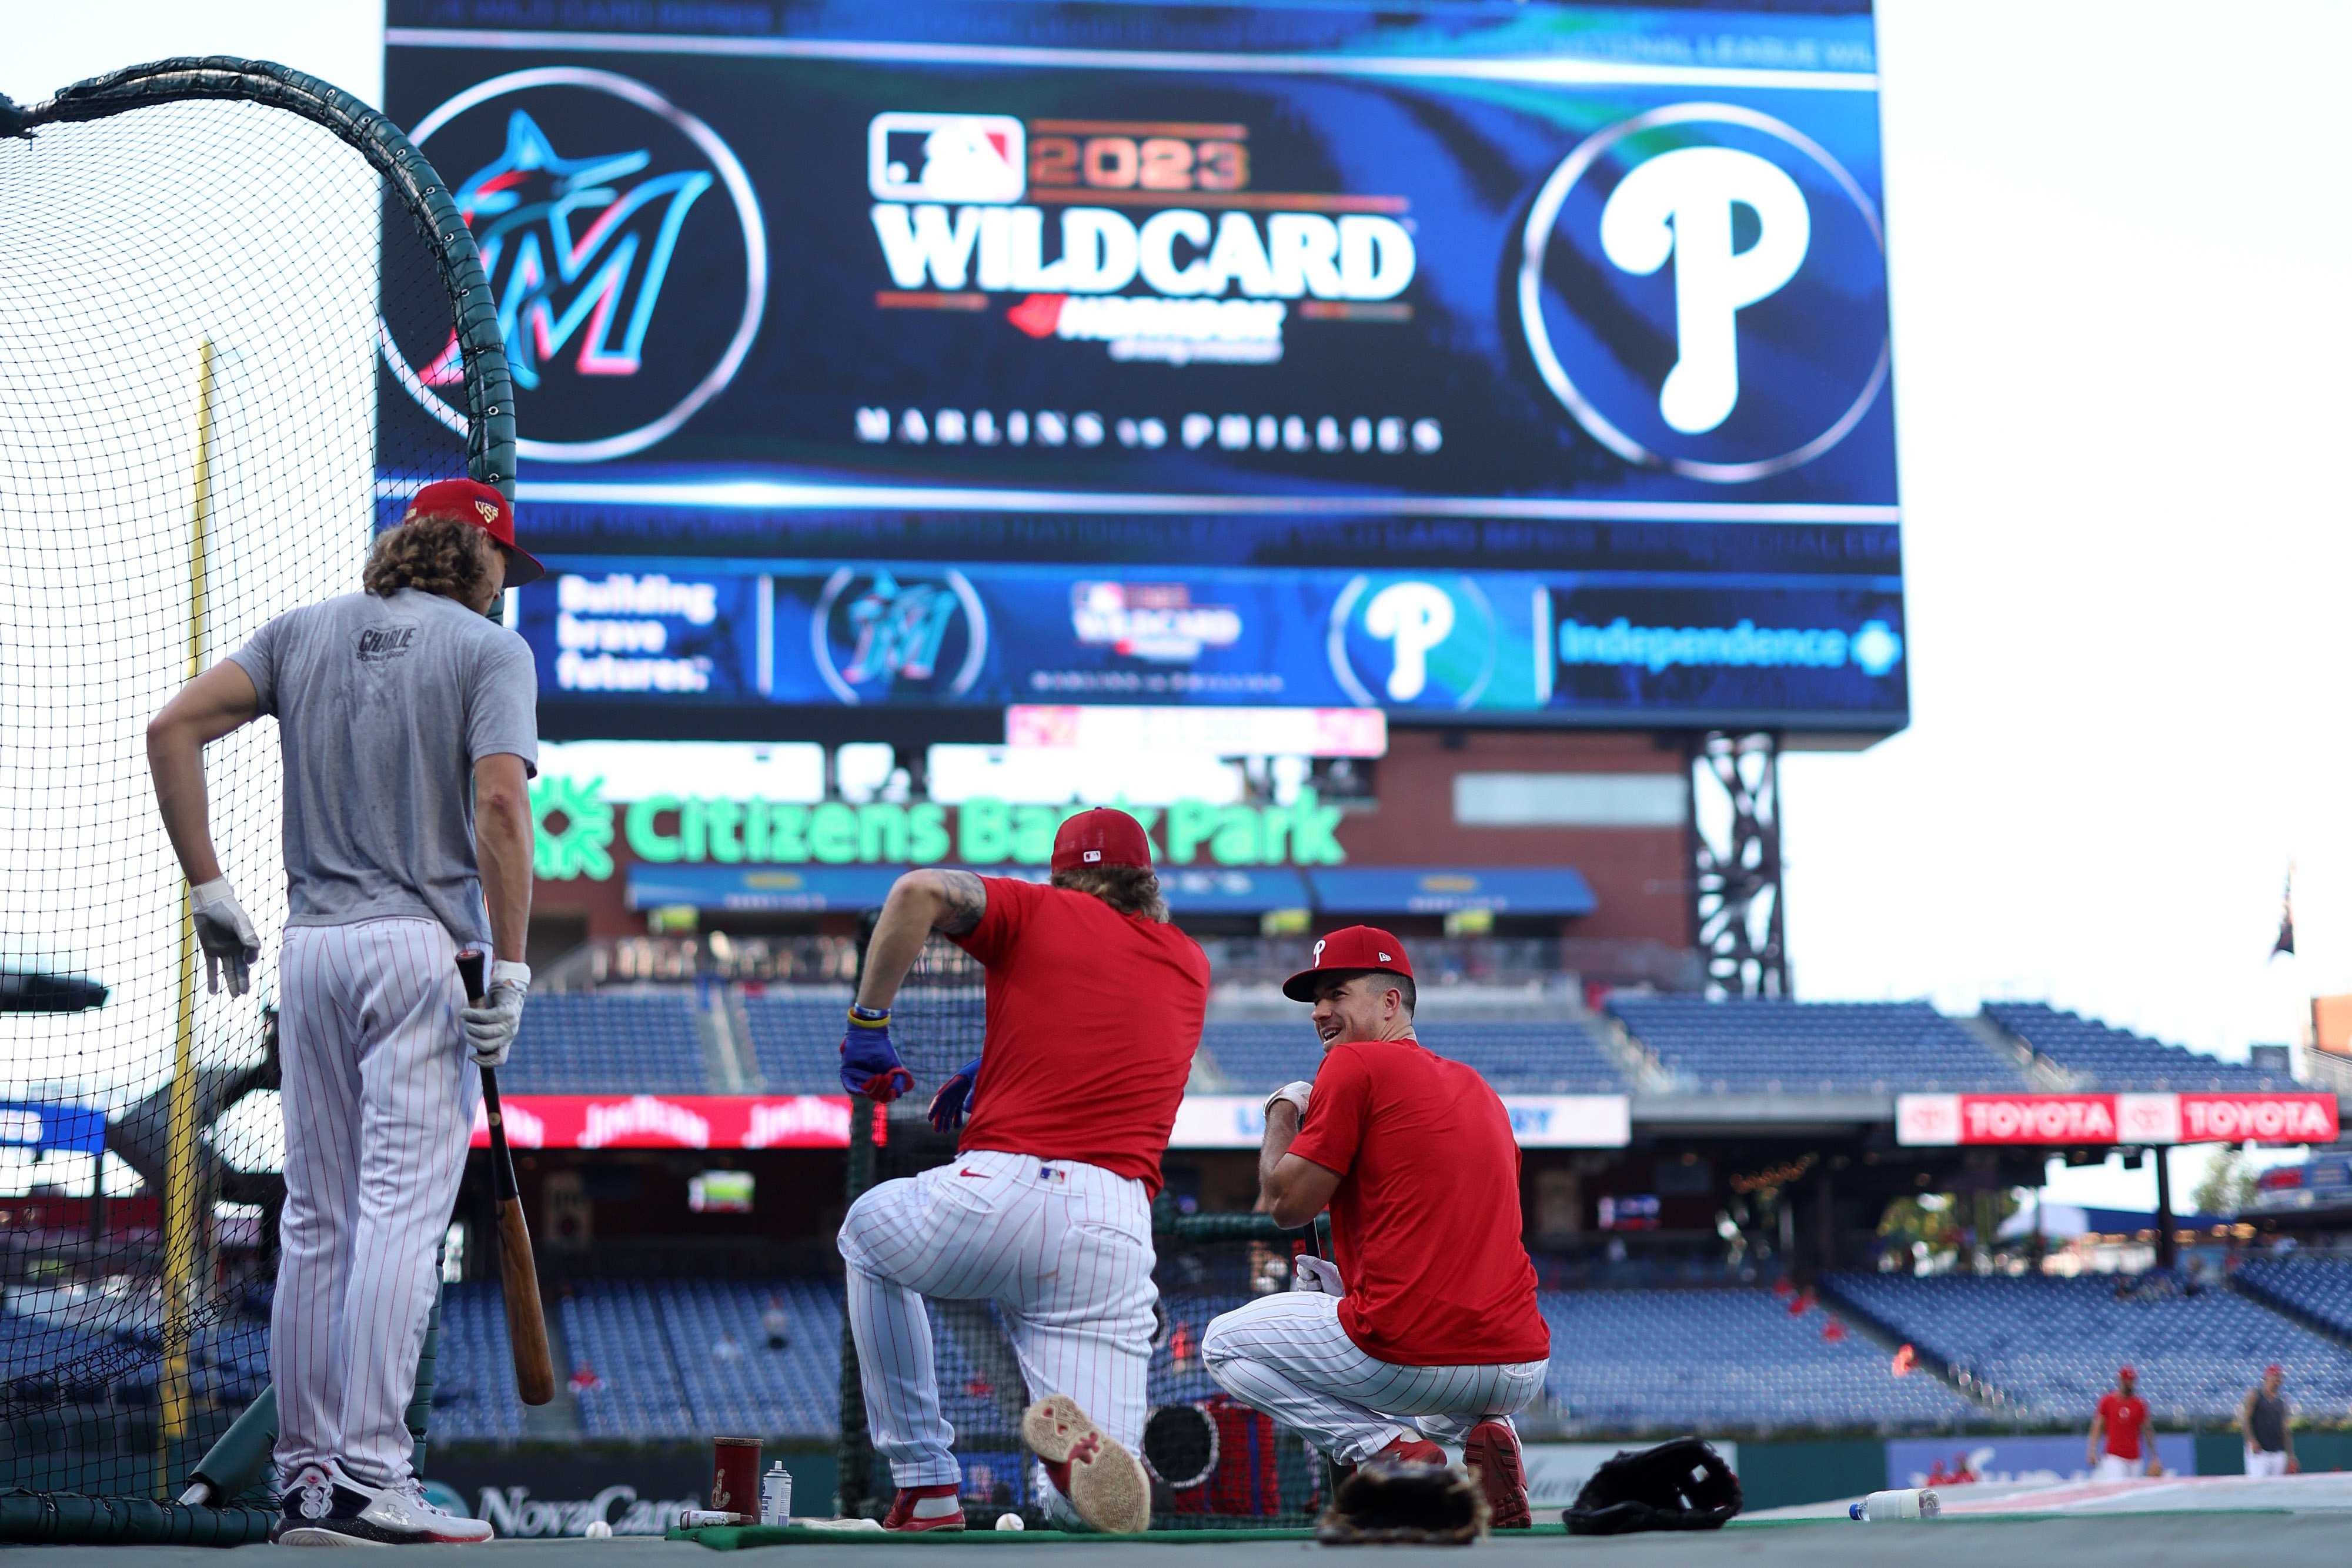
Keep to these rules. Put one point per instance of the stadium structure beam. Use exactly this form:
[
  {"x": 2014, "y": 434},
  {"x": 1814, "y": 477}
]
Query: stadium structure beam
[{"x": 1735, "y": 846}]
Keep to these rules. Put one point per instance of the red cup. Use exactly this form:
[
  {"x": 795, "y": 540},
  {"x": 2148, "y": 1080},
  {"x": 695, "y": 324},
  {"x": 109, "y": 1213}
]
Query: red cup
[{"x": 735, "y": 1476}]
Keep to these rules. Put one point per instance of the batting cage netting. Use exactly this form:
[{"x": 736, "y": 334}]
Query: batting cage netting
[
  {"x": 1213, "y": 1462},
  {"x": 202, "y": 261}
]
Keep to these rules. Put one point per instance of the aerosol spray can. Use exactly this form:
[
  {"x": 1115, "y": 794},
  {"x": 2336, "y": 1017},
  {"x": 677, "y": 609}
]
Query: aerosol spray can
[
  {"x": 1886, "y": 1507},
  {"x": 776, "y": 1495}
]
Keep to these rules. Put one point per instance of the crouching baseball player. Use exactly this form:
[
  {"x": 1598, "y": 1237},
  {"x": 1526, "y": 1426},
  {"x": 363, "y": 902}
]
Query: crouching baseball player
[
  {"x": 1094, "y": 1006},
  {"x": 409, "y": 728},
  {"x": 1427, "y": 1327}
]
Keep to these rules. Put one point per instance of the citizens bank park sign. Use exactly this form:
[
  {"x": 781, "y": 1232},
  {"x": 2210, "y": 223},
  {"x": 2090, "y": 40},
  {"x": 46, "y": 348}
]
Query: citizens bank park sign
[
  {"x": 1943, "y": 1120},
  {"x": 822, "y": 1121}
]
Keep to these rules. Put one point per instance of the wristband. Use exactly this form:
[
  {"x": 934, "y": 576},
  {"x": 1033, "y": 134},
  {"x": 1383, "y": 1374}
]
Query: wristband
[{"x": 869, "y": 1018}]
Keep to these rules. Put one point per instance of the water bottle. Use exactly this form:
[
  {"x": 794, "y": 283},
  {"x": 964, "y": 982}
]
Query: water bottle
[
  {"x": 776, "y": 1495},
  {"x": 1884, "y": 1507}
]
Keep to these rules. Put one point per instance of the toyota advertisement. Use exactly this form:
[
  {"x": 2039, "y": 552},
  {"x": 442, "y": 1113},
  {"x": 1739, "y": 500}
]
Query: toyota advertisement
[{"x": 1522, "y": 364}]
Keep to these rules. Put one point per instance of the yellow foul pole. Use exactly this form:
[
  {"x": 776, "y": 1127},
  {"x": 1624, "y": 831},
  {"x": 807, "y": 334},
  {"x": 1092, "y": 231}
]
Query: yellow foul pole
[{"x": 180, "y": 1217}]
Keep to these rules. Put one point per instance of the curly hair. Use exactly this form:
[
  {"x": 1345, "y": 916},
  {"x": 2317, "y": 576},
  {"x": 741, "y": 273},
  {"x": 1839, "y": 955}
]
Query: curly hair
[
  {"x": 437, "y": 554},
  {"x": 1129, "y": 889}
]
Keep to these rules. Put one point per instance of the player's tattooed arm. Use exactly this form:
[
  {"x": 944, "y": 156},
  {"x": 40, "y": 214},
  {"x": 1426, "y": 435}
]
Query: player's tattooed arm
[
  {"x": 966, "y": 900},
  {"x": 921, "y": 902}
]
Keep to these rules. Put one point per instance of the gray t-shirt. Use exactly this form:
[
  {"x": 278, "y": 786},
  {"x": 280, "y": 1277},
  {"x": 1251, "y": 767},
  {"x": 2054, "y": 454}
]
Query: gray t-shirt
[{"x": 384, "y": 707}]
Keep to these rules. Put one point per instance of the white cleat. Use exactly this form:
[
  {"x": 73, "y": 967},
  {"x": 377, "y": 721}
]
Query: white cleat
[{"x": 325, "y": 1506}]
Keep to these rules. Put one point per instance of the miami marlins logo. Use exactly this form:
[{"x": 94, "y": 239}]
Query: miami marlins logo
[
  {"x": 591, "y": 198},
  {"x": 561, "y": 239}
]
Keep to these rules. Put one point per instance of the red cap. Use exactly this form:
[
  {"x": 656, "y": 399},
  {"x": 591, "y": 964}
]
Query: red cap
[
  {"x": 1104, "y": 836},
  {"x": 2274, "y": 1370},
  {"x": 487, "y": 507},
  {"x": 2127, "y": 1372},
  {"x": 1356, "y": 949}
]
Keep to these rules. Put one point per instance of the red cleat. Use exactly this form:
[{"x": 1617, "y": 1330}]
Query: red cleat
[
  {"x": 1413, "y": 1451},
  {"x": 1491, "y": 1453},
  {"x": 917, "y": 1508}
]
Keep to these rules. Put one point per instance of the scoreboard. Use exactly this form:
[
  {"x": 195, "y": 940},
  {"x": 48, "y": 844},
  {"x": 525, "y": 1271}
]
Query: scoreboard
[{"x": 1525, "y": 364}]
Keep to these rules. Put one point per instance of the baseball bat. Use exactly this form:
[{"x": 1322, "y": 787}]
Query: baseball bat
[{"x": 526, "y": 1321}]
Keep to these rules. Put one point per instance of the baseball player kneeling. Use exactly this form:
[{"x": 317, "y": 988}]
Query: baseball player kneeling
[
  {"x": 1425, "y": 1325},
  {"x": 1094, "y": 1006}
]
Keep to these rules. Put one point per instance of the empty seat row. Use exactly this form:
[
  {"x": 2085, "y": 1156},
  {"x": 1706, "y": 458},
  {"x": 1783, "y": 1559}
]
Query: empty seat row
[
  {"x": 1776, "y": 1046},
  {"x": 2117, "y": 1060}
]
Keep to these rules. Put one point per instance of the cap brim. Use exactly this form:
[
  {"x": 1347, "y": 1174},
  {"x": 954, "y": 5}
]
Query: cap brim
[
  {"x": 521, "y": 566},
  {"x": 1300, "y": 987}
]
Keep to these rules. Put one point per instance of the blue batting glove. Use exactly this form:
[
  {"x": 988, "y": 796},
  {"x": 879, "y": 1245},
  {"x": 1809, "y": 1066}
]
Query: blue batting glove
[
  {"x": 956, "y": 1097},
  {"x": 870, "y": 1065}
]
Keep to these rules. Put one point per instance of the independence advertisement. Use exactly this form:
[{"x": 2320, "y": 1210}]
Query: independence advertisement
[{"x": 1582, "y": 293}]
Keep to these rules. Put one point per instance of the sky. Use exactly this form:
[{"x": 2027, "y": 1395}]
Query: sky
[{"x": 2123, "y": 311}]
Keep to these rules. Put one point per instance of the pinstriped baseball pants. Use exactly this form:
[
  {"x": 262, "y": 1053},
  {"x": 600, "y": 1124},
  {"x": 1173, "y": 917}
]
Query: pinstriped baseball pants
[
  {"x": 1064, "y": 1251},
  {"x": 1288, "y": 1356},
  {"x": 378, "y": 1096}
]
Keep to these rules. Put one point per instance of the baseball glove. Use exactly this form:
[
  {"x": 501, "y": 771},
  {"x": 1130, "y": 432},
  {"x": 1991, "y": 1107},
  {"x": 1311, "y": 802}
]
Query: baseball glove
[
  {"x": 1678, "y": 1485},
  {"x": 1388, "y": 1502}
]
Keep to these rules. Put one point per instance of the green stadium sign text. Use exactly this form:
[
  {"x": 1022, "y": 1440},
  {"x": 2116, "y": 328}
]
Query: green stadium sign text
[{"x": 576, "y": 826}]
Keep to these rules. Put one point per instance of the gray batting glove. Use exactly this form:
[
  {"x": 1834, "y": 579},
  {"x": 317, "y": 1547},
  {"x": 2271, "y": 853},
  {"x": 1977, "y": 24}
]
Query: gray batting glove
[
  {"x": 1296, "y": 1092},
  {"x": 490, "y": 1024},
  {"x": 1311, "y": 1273},
  {"x": 225, "y": 934}
]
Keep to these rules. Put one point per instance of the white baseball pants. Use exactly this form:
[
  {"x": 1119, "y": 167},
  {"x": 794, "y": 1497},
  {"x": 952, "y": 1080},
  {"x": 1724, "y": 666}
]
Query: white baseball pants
[
  {"x": 1288, "y": 1356},
  {"x": 379, "y": 1097},
  {"x": 2115, "y": 1467},
  {"x": 2263, "y": 1462},
  {"x": 1064, "y": 1251}
]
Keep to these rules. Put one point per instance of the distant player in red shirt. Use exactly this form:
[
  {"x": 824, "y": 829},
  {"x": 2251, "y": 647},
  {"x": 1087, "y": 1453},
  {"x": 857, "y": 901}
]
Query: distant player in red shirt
[
  {"x": 1427, "y": 1326},
  {"x": 2121, "y": 1415},
  {"x": 1093, "y": 1012}
]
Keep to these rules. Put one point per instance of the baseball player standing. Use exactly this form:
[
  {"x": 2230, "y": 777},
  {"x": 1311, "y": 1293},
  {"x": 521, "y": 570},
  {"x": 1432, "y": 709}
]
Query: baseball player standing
[
  {"x": 408, "y": 727},
  {"x": 1094, "y": 1006},
  {"x": 1427, "y": 1326}
]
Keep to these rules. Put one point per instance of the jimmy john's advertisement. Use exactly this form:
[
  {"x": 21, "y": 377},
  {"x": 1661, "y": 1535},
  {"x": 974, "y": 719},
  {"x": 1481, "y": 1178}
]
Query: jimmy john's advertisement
[{"x": 759, "y": 276}]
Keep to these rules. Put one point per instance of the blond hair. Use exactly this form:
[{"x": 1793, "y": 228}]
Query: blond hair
[{"x": 1129, "y": 889}]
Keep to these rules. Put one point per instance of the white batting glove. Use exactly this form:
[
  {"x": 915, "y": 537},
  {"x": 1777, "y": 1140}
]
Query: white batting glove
[
  {"x": 490, "y": 1024},
  {"x": 1308, "y": 1272},
  {"x": 225, "y": 934},
  {"x": 1296, "y": 1092}
]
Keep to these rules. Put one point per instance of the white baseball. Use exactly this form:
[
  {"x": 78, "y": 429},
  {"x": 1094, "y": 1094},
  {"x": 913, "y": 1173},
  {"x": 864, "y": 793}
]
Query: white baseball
[
  {"x": 1009, "y": 1521},
  {"x": 598, "y": 1531}
]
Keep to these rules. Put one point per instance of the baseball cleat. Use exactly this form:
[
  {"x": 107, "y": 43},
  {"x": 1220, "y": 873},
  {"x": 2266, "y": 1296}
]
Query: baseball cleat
[
  {"x": 325, "y": 1506},
  {"x": 1107, "y": 1485},
  {"x": 1413, "y": 1451},
  {"x": 925, "y": 1508},
  {"x": 1491, "y": 1453}
]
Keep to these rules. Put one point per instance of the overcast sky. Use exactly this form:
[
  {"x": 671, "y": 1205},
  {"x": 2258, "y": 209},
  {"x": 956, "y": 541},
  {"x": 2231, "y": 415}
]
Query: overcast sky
[{"x": 2122, "y": 265}]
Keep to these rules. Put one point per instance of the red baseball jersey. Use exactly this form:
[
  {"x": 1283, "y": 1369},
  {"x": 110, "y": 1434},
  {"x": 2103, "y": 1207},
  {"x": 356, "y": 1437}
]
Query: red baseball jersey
[
  {"x": 2125, "y": 1415},
  {"x": 1093, "y": 1018},
  {"x": 1425, "y": 1221}
]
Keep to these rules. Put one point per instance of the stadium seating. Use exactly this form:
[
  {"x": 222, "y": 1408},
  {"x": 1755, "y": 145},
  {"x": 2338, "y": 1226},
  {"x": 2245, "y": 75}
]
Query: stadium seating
[
  {"x": 1529, "y": 1058},
  {"x": 1784, "y": 1047},
  {"x": 796, "y": 1039},
  {"x": 2316, "y": 1288},
  {"x": 2049, "y": 1347},
  {"x": 2115, "y": 1059},
  {"x": 474, "y": 1395},
  {"x": 1259, "y": 1057},
  {"x": 733, "y": 1382},
  {"x": 615, "y": 1332},
  {"x": 1664, "y": 1360},
  {"x": 605, "y": 1042}
]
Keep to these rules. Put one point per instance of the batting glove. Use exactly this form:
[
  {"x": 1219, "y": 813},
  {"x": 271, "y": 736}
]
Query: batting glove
[
  {"x": 225, "y": 935},
  {"x": 1308, "y": 1272},
  {"x": 1296, "y": 1092},
  {"x": 956, "y": 1097},
  {"x": 490, "y": 1023},
  {"x": 870, "y": 1065}
]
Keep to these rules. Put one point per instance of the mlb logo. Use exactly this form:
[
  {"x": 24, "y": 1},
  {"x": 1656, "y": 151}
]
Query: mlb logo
[{"x": 947, "y": 158}]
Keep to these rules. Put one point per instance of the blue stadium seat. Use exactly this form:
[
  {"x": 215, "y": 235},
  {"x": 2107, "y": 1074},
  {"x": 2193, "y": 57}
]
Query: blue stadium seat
[
  {"x": 608, "y": 1043},
  {"x": 1772, "y": 1046},
  {"x": 2117, "y": 1060},
  {"x": 1660, "y": 1361},
  {"x": 1516, "y": 1058},
  {"x": 796, "y": 1039},
  {"x": 474, "y": 1393},
  {"x": 2049, "y": 1347},
  {"x": 2319, "y": 1289}
]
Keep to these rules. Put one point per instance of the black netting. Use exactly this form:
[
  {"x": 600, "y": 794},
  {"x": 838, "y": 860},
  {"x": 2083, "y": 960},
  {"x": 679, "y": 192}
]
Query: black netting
[{"x": 191, "y": 298}]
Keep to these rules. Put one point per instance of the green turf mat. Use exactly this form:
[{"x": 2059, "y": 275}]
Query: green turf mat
[{"x": 732, "y": 1537}]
